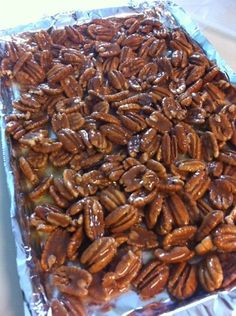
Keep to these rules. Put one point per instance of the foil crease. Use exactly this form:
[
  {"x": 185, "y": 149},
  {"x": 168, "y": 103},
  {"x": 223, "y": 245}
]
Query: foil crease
[{"x": 35, "y": 300}]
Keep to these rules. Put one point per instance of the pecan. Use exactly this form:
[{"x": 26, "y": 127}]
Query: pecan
[
  {"x": 54, "y": 254},
  {"x": 102, "y": 32},
  {"x": 117, "y": 80},
  {"x": 205, "y": 246},
  {"x": 174, "y": 255},
  {"x": 99, "y": 254},
  {"x": 111, "y": 198},
  {"x": 158, "y": 121},
  {"x": 122, "y": 218},
  {"x": 41, "y": 188},
  {"x": 182, "y": 140},
  {"x": 150, "y": 142},
  {"x": 71, "y": 87},
  {"x": 72, "y": 280},
  {"x": 172, "y": 109},
  {"x": 221, "y": 194},
  {"x": 131, "y": 179},
  {"x": 221, "y": 126},
  {"x": 142, "y": 238},
  {"x": 209, "y": 223},
  {"x": 93, "y": 219},
  {"x": 210, "y": 146},
  {"x": 195, "y": 145},
  {"x": 59, "y": 72},
  {"x": 153, "y": 211},
  {"x": 198, "y": 184},
  {"x": 169, "y": 150},
  {"x": 37, "y": 160},
  {"x": 115, "y": 133},
  {"x": 224, "y": 237},
  {"x": 107, "y": 49},
  {"x": 74, "y": 244},
  {"x": 60, "y": 158},
  {"x": 28, "y": 171},
  {"x": 178, "y": 210},
  {"x": 70, "y": 140},
  {"x": 142, "y": 197},
  {"x": 52, "y": 215},
  {"x": 133, "y": 122},
  {"x": 210, "y": 273},
  {"x": 131, "y": 67},
  {"x": 183, "y": 281},
  {"x": 152, "y": 279},
  {"x": 179, "y": 236},
  {"x": 228, "y": 156},
  {"x": 125, "y": 271}
]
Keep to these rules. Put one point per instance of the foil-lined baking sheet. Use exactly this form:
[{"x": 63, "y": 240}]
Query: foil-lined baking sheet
[{"x": 222, "y": 303}]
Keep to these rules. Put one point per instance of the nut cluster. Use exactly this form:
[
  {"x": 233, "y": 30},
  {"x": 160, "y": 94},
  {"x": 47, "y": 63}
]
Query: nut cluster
[{"x": 124, "y": 135}]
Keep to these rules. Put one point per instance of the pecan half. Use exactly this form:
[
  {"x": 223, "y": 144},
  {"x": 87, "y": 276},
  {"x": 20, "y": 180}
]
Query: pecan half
[
  {"x": 174, "y": 255},
  {"x": 93, "y": 218},
  {"x": 142, "y": 238},
  {"x": 99, "y": 254},
  {"x": 209, "y": 222},
  {"x": 210, "y": 273},
  {"x": 152, "y": 279},
  {"x": 224, "y": 237},
  {"x": 183, "y": 281},
  {"x": 54, "y": 254},
  {"x": 179, "y": 236},
  {"x": 72, "y": 280}
]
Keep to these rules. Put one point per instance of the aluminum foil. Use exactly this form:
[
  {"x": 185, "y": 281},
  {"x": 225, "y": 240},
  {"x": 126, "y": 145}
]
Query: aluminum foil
[{"x": 35, "y": 299}]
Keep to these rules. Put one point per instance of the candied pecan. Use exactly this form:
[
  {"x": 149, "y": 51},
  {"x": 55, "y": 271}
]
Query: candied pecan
[
  {"x": 60, "y": 121},
  {"x": 172, "y": 109},
  {"x": 131, "y": 179},
  {"x": 195, "y": 145},
  {"x": 59, "y": 72},
  {"x": 72, "y": 280},
  {"x": 59, "y": 199},
  {"x": 221, "y": 126},
  {"x": 60, "y": 158},
  {"x": 231, "y": 217},
  {"x": 142, "y": 238},
  {"x": 210, "y": 273},
  {"x": 198, "y": 184},
  {"x": 142, "y": 197},
  {"x": 179, "y": 236},
  {"x": 125, "y": 271},
  {"x": 28, "y": 172},
  {"x": 174, "y": 255},
  {"x": 102, "y": 31},
  {"x": 224, "y": 237},
  {"x": 99, "y": 254},
  {"x": 150, "y": 142},
  {"x": 133, "y": 122},
  {"x": 117, "y": 80},
  {"x": 152, "y": 279},
  {"x": 133, "y": 145},
  {"x": 70, "y": 140},
  {"x": 157, "y": 167},
  {"x": 183, "y": 281},
  {"x": 228, "y": 266},
  {"x": 178, "y": 210},
  {"x": 158, "y": 121},
  {"x": 228, "y": 156},
  {"x": 206, "y": 245},
  {"x": 191, "y": 165},
  {"x": 52, "y": 215},
  {"x": 169, "y": 149},
  {"x": 39, "y": 190},
  {"x": 116, "y": 134},
  {"x": 93, "y": 218},
  {"x": 74, "y": 244},
  {"x": 182, "y": 140},
  {"x": 54, "y": 254},
  {"x": 131, "y": 66},
  {"x": 122, "y": 218},
  {"x": 106, "y": 50},
  {"x": 210, "y": 146},
  {"x": 209, "y": 223},
  {"x": 111, "y": 198},
  {"x": 37, "y": 160},
  {"x": 153, "y": 211},
  {"x": 220, "y": 193}
]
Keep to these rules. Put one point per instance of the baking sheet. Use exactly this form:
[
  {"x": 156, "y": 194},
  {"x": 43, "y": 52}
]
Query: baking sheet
[{"x": 221, "y": 303}]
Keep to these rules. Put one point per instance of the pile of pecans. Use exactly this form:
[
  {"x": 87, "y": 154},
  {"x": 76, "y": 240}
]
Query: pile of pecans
[{"x": 124, "y": 136}]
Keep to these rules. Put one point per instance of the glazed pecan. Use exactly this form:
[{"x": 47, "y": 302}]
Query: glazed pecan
[
  {"x": 224, "y": 237},
  {"x": 209, "y": 222},
  {"x": 74, "y": 244},
  {"x": 206, "y": 245},
  {"x": 125, "y": 271},
  {"x": 93, "y": 218},
  {"x": 153, "y": 211},
  {"x": 221, "y": 194},
  {"x": 54, "y": 254},
  {"x": 99, "y": 254},
  {"x": 115, "y": 133},
  {"x": 72, "y": 280},
  {"x": 122, "y": 218},
  {"x": 210, "y": 273},
  {"x": 111, "y": 198},
  {"x": 179, "y": 236},
  {"x": 198, "y": 184},
  {"x": 28, "y": 172},
  {"x": 183, "y": 281},
  {"x": 174, "y": 255},
  {"x": 178, "y": 210},
  {"x": 158, "y": 121},
  {"x": 152, "y": 279},
  {"x": 142, "y": 238}
]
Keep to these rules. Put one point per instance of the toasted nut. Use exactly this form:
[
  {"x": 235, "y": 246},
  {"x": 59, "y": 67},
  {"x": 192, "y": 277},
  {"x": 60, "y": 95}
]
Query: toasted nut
[
  {"x": 183, "y": 281},
  {"x": 174, "y": 255},
  {"x": 99, "y": 254},
  {"x": 209, "y": 223},
  {"x": 224, "y": 238},
  {"x": 152, "y": 279},
  {"x": 179, "y": 236},
  {"x": 210, "y": 273}
]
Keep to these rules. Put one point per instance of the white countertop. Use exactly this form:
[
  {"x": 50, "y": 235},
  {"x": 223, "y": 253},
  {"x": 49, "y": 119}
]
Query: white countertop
[{"x": 219, "y": 26}]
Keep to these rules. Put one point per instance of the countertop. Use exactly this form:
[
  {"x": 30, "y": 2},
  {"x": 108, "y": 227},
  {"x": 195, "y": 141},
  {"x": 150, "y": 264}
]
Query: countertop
[{"x": 219, "y": 26}]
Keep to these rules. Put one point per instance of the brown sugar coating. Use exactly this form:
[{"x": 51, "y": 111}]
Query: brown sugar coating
[{"x": 124, "y": 137}]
